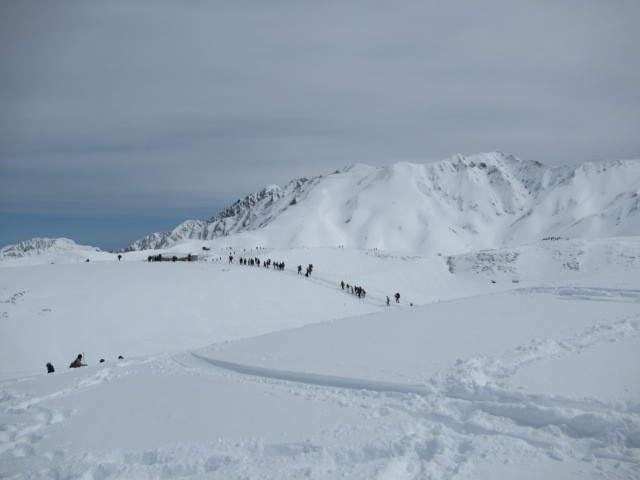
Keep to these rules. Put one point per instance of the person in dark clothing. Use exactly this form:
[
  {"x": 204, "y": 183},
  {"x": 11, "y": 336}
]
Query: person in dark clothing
[
  {"x": 77, "y": 362},
  {"x": 388, "y": 300},
  {"x": 230, "y": 258},
  {"x": 342, "y": 284},
  {"x": 299, "y": 269},
  {"x": 397, "y": 298},
  {"x": 50, "y": 368}
]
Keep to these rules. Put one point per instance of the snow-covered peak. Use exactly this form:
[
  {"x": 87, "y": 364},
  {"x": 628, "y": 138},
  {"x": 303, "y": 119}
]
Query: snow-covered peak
[{"x": 39, "y": 246}]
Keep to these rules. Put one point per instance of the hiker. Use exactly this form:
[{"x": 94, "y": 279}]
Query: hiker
[
  {"x": 299, "y": 269},
  {"x": 230, "y": 258},
  {"x": 388, "y": 300},
  {"x": 77, "y": 362},
  {"x": 119, "y": 257},
  {"x": 50, "y": 368},
  {"x": 342, "y": 284},
  {"x": 397, "y": 295}
]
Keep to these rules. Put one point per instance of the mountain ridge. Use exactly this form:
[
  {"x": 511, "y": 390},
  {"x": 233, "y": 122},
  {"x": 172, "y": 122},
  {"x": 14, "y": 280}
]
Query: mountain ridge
[{"x": 455, "y": 205}]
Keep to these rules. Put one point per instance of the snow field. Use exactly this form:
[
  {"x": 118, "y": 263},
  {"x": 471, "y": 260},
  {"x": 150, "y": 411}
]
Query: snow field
[{"x": 270, "y": 375}]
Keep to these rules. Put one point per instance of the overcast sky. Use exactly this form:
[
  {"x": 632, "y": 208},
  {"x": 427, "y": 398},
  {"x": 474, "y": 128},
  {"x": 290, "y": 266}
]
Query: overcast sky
[{"x": 122, "y": 118}]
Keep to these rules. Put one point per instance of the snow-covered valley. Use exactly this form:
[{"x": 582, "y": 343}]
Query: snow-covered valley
[{"x": 519, "y": 362}]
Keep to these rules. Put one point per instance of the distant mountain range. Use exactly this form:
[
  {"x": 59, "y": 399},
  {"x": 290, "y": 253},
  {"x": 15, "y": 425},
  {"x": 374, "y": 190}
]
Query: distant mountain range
[
  {"x": 38, "y": 246},
  {"x": 458, "y": 205}
]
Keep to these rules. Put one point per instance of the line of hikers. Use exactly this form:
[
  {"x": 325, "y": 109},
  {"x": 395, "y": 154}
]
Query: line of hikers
[
  {"x": 256, "y": 262},
  {"x": 353, "y": 289},
  {"x": 174, "y": 258},
  {"x": 361, "y": 292},
  {"x": 77, "y": 363},
  {"x": 358, "y": 291}
]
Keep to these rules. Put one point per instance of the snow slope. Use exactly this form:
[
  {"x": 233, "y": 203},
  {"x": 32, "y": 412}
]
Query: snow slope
[
  {"x": 454, "y": 206},
  {"x": 245, "y": 372}
]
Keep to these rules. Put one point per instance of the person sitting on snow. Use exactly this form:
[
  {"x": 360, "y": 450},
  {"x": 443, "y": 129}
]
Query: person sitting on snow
[{"x": 77, "y": 362}]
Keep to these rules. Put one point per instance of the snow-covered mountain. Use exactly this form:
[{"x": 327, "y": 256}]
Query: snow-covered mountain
[
  {"x": 454, "y": 206},
  {"x": 40, "y": 246},
  {"x": 250, "y": 213}
]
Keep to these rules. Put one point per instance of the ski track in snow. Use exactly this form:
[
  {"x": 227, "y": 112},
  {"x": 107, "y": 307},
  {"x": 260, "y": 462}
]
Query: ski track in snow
[
  {"x": 316, "y": 379},
  {"x": 495, "y": 370}
]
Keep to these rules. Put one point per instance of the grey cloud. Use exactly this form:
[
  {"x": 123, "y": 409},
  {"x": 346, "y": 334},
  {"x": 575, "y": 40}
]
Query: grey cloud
[{"x": 133, "y": 103}]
